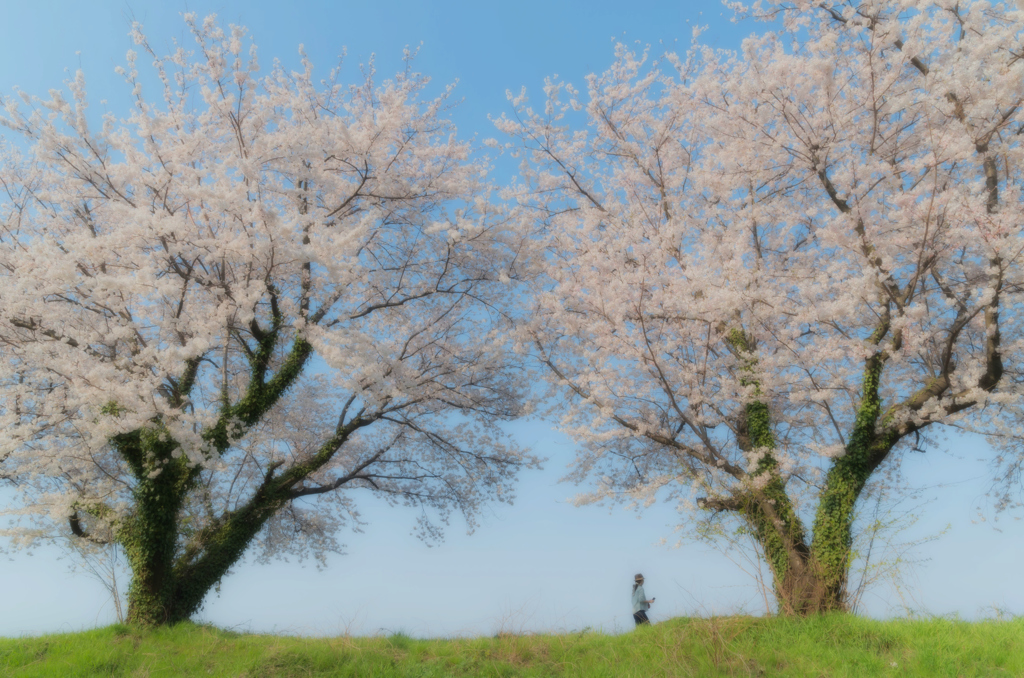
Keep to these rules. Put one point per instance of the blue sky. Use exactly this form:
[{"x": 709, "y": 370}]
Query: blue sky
[{"x": 541, "y": 564}]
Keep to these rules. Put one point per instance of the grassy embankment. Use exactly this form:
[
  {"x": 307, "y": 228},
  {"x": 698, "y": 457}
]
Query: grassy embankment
[{"x": 723, "y": 646}]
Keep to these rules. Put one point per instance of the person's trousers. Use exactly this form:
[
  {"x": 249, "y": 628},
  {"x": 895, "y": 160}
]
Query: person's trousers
[{"x": 641, "y": 617}]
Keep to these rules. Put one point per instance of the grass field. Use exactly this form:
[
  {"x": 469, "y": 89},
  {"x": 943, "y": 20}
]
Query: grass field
[{"x": 836, "y": 645}]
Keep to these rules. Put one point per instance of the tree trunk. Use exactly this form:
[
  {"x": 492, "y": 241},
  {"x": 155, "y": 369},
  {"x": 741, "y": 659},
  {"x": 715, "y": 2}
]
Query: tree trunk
[
  {"x": 215, "y": 549},
  {"x": 803, "y": 583},
  {"x": 149, "y": 539},
  {"x": 811, "y": 579},
  {"x": 151, "y": 590},
  {"x": 867, "y": 447},
  {"x": 170, "y": 577},
  {"x": 778, "y": 531},
  {"x": 169, "y": 584},
  {"x": 774, "y": 523}
]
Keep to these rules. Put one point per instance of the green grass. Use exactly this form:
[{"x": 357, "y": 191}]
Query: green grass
[{"x": 835, "y": 645}]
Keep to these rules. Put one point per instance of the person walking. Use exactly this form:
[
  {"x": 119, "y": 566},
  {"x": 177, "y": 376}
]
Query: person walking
[{"x": 640, "y": 602}]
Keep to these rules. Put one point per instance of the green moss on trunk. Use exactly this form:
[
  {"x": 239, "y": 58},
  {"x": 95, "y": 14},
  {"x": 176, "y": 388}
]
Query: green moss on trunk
[
  {"x": 149, "y": 535},
  {"x": 811, "y": 579},
  {"x": 867, "y": 446},
  {"x": 778, "y": 529},
  {"x": 170, "y": 578},
  {"x": 218, "y": 548},
  {"x": 768, "y": 511}
]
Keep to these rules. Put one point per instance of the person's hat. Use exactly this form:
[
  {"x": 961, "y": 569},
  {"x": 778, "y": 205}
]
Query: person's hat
[{"x": 638, "y": 577}]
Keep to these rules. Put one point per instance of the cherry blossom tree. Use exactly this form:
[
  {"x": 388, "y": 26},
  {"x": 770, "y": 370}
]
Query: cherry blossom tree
[
  {"x": 228, "y": 312},
  {"x": 769, "y": 273}
]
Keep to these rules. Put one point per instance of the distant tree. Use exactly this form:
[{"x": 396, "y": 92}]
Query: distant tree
[
  {"x": 228, "y": 312},
  {"x": 770, "y": 272}
]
